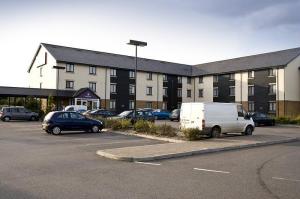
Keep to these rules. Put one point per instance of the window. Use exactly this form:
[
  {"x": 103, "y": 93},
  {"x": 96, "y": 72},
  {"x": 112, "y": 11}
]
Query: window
[
  {"x": 41, "y": 84},
  {"x": 179, "y": 79},
  {"x": 201, "y": 80},
  {"x": 231, "y": 77},
  {"x": 41, "y": 71},
  {"x": 165, "y": 78},
  {"x": 112, "y": 104},
  {"x": 113, "y": 88},
  {"x": 250, "y": 74},
  {"x": 148, "y": 104},
  {"x": 149, "y": 76},
  {"x": 216, "y": 79},
  {"x": 131, "y": 74},
  {"x": 92, "y": 70},
  {"x": 251, "y": 106},
  {"x": 131, "y": 104},
  {"x": 232, "y": 90},
  {"x": 188, "y": 93},
  {"x": 272, "y": 89},
  {"x": 179, "y": 105},
  {"x": 131, "y": 89},
  {"x": 189, "y": 80},
  {"x": 63, "y": 116},
  {"x": 164, "y": 106},
  {"x": 92, "y": 86},
  {"x": 271, "y": 72},
  {"x": 69, "y": 84},
  {"x": 149, "y": 90},
  {"x": 200, "y": 92},
  {"x": 216, "y": 92},
  {"x": 70, "y": 68},
  {"x": 165, "y": 92},
  {"x": 76, "y": 116},
  {"x": 113, "y": 72},
  {"x": 250, "y": 90},
  {"x": 179, "y": 92},
  {"x": 272, "y": 106}
]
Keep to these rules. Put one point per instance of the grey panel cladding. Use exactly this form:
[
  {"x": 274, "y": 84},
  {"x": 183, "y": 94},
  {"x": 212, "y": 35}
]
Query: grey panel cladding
[
  {"x": 172, "y": 85},
  {"x": 223, "y": 85}
]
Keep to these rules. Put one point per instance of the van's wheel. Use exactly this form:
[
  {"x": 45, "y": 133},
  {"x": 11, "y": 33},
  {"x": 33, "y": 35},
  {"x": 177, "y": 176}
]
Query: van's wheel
[
  {"x": 6, "y": 119},
  {"x": 32, "y": 118},
  {"x": 95, "y": 129},
  {"x": 216, "y": 132},
  {"x": 248, "y": 130},
  {"x": 56, "y": 130}
]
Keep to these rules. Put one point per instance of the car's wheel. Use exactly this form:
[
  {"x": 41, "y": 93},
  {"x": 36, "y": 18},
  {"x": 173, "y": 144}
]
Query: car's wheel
[
  {"x": 56, "y": 130},
  {"x": 216, "y": 132},
  {"x": 32, "y": 118},
  {"x": 248, "y": 130},
  {"x": 6, "y": 119},
  {"x": 95, "y": 129}
]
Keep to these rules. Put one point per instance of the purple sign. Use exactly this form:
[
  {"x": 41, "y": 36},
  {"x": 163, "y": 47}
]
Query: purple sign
[{"x": 87, "y": 94}]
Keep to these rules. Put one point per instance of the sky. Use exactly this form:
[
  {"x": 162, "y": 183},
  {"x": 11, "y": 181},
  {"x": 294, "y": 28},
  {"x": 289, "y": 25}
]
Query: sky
[{"x": 181, "y": 31}]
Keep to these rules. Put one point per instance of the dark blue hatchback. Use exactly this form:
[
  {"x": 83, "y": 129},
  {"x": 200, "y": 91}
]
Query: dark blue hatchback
[{"x": 58, "y": 121}]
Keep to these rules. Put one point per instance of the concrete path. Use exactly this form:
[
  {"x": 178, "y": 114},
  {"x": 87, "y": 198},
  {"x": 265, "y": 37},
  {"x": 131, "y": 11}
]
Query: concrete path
[{"x": 173, "y": 150}]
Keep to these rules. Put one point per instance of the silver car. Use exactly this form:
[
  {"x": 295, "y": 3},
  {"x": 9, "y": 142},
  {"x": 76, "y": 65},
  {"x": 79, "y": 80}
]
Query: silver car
[{"x": 17, "y": 113}]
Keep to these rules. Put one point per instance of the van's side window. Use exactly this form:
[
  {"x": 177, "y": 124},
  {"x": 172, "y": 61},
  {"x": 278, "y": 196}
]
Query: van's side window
[{"x": 240, "y": 111}]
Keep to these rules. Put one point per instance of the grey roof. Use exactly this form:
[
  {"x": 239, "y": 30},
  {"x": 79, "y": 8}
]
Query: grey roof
[
  {"x": 254, "y": 62},
  {"x": 22, "y": 91},
  {"x": 96, "y": 58}
]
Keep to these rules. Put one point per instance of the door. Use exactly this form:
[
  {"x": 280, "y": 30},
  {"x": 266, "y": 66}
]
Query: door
[
  {"x": 241, "y": 121},
  {"x": 64, "y": 122},
  {"x": 79, "y": 122},
  {"x": 15, "y": 114}
]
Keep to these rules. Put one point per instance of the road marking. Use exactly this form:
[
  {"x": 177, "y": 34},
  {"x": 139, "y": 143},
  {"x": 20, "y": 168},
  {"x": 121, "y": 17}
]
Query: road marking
[
  {"x": 286, "y": 179},
  {"x": 215, "y": 171},
  {"x": 148, "y": 163}
]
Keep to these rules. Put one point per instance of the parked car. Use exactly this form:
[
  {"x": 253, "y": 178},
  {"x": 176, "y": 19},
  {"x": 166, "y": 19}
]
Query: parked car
[
  {"x": 262, "y": 119},
  {"x": 213, "y": 119},
  {"x": 57, "y": 121},
  {"x": 161, "y": 114},
  {"x": 76, "y": 108},
  {"x": 175, "y": 115},
  {"x": 17, "y": 113},
  {"x": 140, "y": 115},
  {"x": 101, "y": 112}
]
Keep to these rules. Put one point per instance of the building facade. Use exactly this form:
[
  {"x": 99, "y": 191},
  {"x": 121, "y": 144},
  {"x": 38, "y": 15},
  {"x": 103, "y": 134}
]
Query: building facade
[{"x": 267, "y": 83}]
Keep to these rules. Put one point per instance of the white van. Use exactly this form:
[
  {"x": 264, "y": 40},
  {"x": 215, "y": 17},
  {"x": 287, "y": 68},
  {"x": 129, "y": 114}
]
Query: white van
[
  {"x": 216, "y": 118},
  {"x": 76, "y": 108}
]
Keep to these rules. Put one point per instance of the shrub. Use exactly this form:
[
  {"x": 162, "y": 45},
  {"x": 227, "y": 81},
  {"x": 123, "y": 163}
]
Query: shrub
[
  {"x": 166, "y": 130},
  {"x": 142, "y": 126},
  {"x": 108, "y": 123},
  {"x": 192, "y": 133},
  {"x": 125, "y": 124},
  {"x": 116, "y": 125},
  {"x": 152, "y": 129}
]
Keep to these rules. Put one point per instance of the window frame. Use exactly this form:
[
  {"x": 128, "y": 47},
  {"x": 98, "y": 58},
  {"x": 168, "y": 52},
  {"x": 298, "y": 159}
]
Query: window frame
[
  {"x": 92, "y": 70},
  {"x": 165, "y": 91},
  {"x": 232, "y": 77},
  {"x": 165, "y": 78},
  {"x": 70, "y": 68},
  {"x": 272, "y": 87},
  {"x": 113, "y": 72},
  {"x": 230, "y": 89},
  {"x": 132, "y": 74},
  {"x": 215, "y": 79},
  {"x": 189, "y": 93},
  {"x": 188, "y": 80},
  {"x": 179, "y": 79},
  {"x": 179, "y": 94},
  {"x": 71, "y": 82},
  {"x": 249, "y": 93},
  {"x": 112, "y": 102},
  {"x": 251, "y": 106},
  {"x": 149, "y": 76},
  {"x": 271, "y": 74},
  {"x": 200, "y": 79},
  {"x": 131, "y": 88},
  {"x": 93, "y": 84},
  {"x": 200, "y": 91},
  {"x": 215, "y": 94},
  {"x": 272, "y": 106},
  {"x": 149, "y": 88},
  {"x": 113, "y": 85},
  {"x": 251, "y": 74}
]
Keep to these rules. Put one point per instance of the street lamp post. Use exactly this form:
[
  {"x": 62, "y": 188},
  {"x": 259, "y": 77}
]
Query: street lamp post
[
  {"x": 57, "y": 82},
  {"x": 136, "y": 44}
]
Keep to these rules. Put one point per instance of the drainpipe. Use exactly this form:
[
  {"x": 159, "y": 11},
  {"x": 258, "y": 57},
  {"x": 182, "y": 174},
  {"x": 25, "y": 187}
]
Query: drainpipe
[
  {"x": 157, "y": 92},
  {"x": 105, "y": 88}
]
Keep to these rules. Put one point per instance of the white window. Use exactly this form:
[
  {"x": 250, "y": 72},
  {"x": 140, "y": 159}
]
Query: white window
[
  {"x": 179, "y": 79},
  {"x": 188, "y": 93},
  {"x": 179, "y": 92},
  {"x": 250, "y": 74},
  {"x": 41, "y": 71},
  {"x": 164, "y": 105},
  {"x": 131, "y": 89},
  {"x": 271, "y": 72},
  {"x": 232, "y": 91},
  {"x": 69, "y": 84},
  {"x": 131, "y": 74},
  {"x": 112, "y": 104},
  {"x": 70, "y": 68},
  {"x": 113, "y": 88},
  {"x": 113, "y": 72},
  {"x": 231, "y": 76},
  {"x": 189, "y": 80},
  {"x": 216, "y": 79},
  {"x": 165, "y": 92},
  {"x": 250, "y": 90},
  {"x": 272, "y": 89},
  {"x": 200, "y": 79},
  {"x": 216, "y": 92},
  {"x": 149, "y": 76},
  {"x": 92, "y": 70},
  {"x": 251, "y": 106},
  {"x": 149, "y": 90},
  {"x": 148, "y": 104},
  {"x": 272, "y": 106},
  {"x": 200, "y": 92},
  {"x": 165, "y": 78},
  {"x": 92, "y": 86},
  {"x": 131, "y": 104}
]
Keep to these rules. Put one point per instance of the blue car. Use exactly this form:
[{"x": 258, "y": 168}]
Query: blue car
[{"x": 161, "y": 114}]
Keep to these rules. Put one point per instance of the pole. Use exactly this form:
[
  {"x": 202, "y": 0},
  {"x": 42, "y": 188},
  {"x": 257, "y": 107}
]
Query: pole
[
  {"x": 57, "y": 84},
  {"x": 135, "y": 74}
]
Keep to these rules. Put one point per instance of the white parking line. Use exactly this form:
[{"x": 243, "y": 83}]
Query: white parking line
[
  {"x": 148, "y": 163},
  {"x": 286, "y": 179},
  {"x": 215, "y": 171}
]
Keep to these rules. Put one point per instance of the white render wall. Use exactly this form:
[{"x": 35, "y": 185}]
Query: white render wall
[
  {"x": 292, "y": 80},
  {"x": 156, "y": 83},
  {"x": 185, "y": 87},
  {"x": 241, "y": 86},
  {"x": 207, "y": 87},
  {"x": 280, "y": 84}
]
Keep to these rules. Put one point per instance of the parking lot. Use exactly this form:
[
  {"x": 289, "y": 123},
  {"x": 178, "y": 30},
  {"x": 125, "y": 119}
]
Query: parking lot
[{"x": 35, "y": 164}]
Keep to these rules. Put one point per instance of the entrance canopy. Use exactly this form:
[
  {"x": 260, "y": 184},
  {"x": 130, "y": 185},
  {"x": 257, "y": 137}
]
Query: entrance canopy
[{"x": 85, "y": 96}]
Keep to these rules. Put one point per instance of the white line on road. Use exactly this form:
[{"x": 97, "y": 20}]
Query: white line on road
[
  {"x": 215, "y": 171},
  {"x": 286, "y": 179},
  {"x": 148, "y": 163}
]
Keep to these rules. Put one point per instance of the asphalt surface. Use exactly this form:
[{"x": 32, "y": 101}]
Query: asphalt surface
[{"x": 34, "y": 164}]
